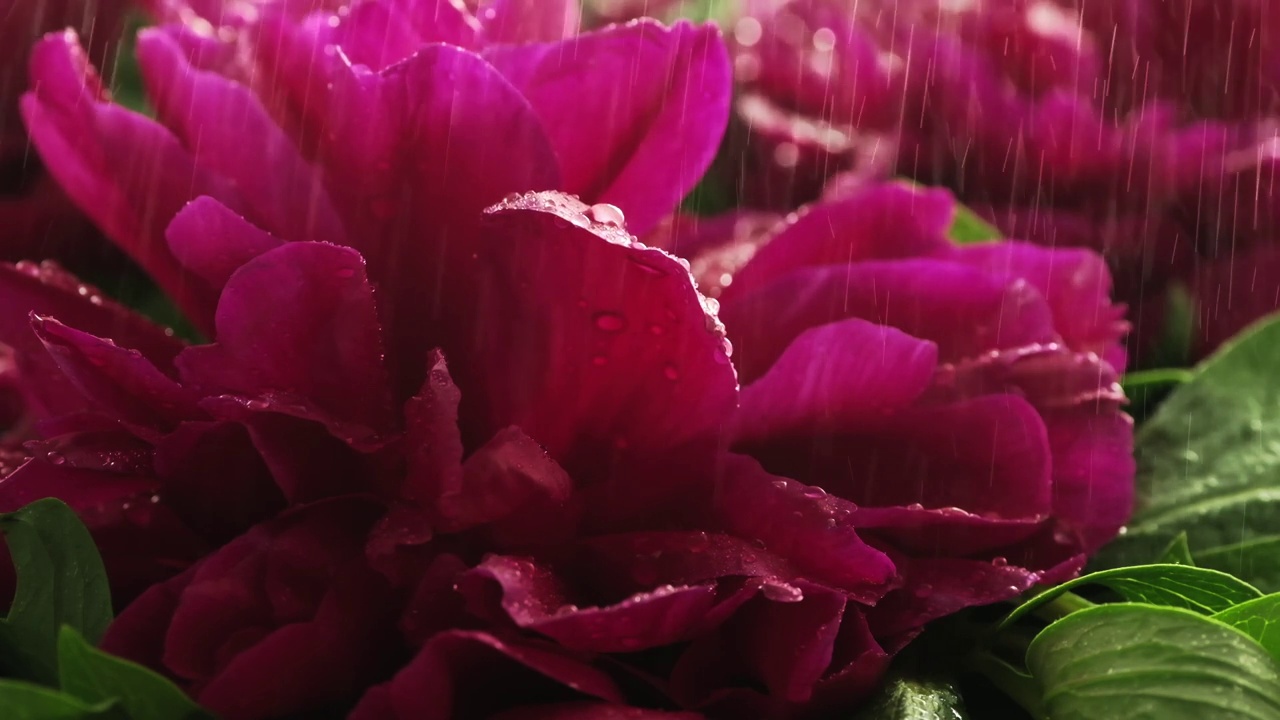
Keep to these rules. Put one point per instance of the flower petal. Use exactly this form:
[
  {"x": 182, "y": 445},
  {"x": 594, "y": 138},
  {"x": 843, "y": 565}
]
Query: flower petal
[
  {"x": 885, "y": 221},
  {"x": 229, "y": 133},
  {"x": 528, "y": 21},
  {"x": 454, "y": 673},
  {"x": 803, "y": 524},
  {"x": 835, "y": 377},
  {"x": 299, "y": 320},
  {"x": 106, "y": 157},
  {"x": 590, "y": 337},
  {"x": 635, "y": 112},
  {"x": 211, "y": 241}
]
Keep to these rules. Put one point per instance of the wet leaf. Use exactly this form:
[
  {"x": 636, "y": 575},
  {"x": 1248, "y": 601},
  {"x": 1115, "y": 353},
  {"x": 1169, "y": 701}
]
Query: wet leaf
[
  {"x": 1209, "y": 465},
  {"x": 1129, "y": 661},
  {"x": 1259, "y": 619},
  {"x": 909, "y": 698},
  {"x": 1196, "y": 589},
  {"x": 61, "y": 581}
]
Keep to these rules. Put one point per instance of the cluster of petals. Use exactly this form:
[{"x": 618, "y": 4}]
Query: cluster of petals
[
  {"x": 461, "y": 445},
  {"x": 1143, "y": 129}
]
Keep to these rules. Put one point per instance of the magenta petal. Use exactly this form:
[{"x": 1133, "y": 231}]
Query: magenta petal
[
  {"x": 213, "y": 242},
  {"x": 533, "y": 598},
  {"x": 937, "y": 587},
  {"x": 444, "y": 21},
  {"x": 299, "y": 320},
  {"x": 528, "y": 21},
  {"x": 1093, "y": 469},
  {"x": 804, "y": 525},
  {"x": 229, "y": 132},
  {"x": 376, "y": 34},
  {"x": 591, "y": 337},
  {"x": 836, "y": 377},
  {"x": 986, "y": 455},
  {"x": 966, "y": 312},
  {"x": 48, "y": 290},
  {"x": 791, "y": 645},
  {"x": 591, "y": 711},
  {"x": 453, "y": 675},
  {"x": 636, "y": 112},
  {"x": 119, "y": 380},
  {"x": 506, "y": 475},
  {"x": 1076, "y": 284},
  {"x": 886, "y": 221},
  {"x": 411, "y": 161},
  {"x": 106, "y": 158}
]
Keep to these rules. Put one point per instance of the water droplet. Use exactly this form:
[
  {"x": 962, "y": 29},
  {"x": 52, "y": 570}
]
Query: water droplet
[
  {"x": 815, "y": 492},
  {"x": 580, "y": 220},
  {"x": 258, "y": 405},
  {"x": 55, "y": 458},
  {"x": 610, "y": 322},
  {"x": 915, "y": 507},
  {"x": 999, "y": 561},
  {"x": 780, "y": 484},
  {"x": 511, "y": 197},
  {"x": 781, "y": 592},
  {"x": 671, "y": 372},
  {"x": 607, "y": 214},
  {"x": 749, "y": 557}
]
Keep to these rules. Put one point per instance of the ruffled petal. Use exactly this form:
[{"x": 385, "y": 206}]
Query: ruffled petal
[
  {"x": 635, "y": 112},
  {"x": 528, "y": 21}
]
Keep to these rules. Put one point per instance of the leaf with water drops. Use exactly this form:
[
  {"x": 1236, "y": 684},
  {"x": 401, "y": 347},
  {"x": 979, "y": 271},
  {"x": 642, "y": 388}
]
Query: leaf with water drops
[
  {"x": 1209, "y": 466},
  {"x": 1259, "y": 619},
  {"x": 1129, "y": 661},
  {"x": 61, "y": 581},
  {"x": 1197, "y": 589},
  {"x": 910, "y": 698}
]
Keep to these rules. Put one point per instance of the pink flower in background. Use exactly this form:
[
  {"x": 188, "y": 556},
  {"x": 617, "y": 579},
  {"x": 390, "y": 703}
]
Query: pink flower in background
[{"x": 1066, "y": 123}]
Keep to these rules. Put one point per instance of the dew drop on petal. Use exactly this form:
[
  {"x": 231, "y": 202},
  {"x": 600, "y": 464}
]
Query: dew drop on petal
[
  {"x": 610, "y": 322},
  {"x": 607, "y": 214},
  {"x": 815, "y": 492},
  {"x": 999, "y": 561},
  {"x": 671, "y": 372},
  {"x": 55, "y": 458}
]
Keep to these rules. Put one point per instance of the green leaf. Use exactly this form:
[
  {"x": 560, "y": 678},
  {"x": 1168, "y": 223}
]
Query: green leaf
[
  {"x": 1258, "y": 560},
  {"x": 1209, "y": 464},
  {"x": 1197, "y": 589},
  {"x": 60, "y": 581},
  {"x": 1144, "y": 379},
  {"x": 1131, "y": 662},
  {"x": 967, "y": 228},
  {"x": 25, "y": 701},
  {"x": 909, "y": 698},
  {"x": 1259, "y": 619},
  {"x": 92, "y": 675},
  {"x": 1177, "y": 553}
]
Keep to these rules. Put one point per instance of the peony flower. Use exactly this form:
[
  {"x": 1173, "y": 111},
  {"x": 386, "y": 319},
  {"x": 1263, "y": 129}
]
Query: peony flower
[
  {"x": 455, "y": 429},
  {"x": 961, "y": 402},
  {"x": 1066, "y": 123}
]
